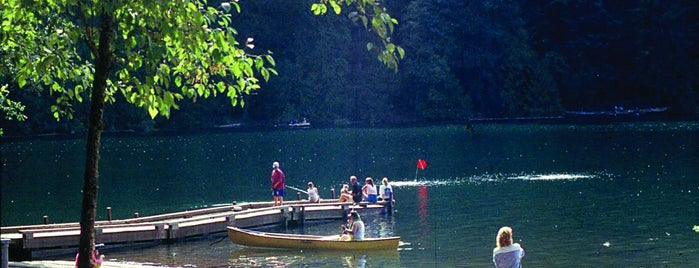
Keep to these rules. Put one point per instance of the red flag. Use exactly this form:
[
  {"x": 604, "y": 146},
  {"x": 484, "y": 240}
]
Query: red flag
[{"x": 421, "y": 164}]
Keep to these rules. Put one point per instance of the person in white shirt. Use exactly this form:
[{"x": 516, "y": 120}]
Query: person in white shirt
[
  {"x": 385, "y": 190},
  {"x": 355, "y": 231},
  {"x": 369, "y": 191},
  {"x": 313, "y": 195}
]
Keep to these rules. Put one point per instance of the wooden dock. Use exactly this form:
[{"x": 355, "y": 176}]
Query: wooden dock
[{"x": 31, "y": 242}]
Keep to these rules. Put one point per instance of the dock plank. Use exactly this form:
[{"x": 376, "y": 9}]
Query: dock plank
[{"x": 171, "y": 227}]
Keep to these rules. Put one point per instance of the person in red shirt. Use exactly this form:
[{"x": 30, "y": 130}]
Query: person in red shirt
[{"x": 277, "y": 184}]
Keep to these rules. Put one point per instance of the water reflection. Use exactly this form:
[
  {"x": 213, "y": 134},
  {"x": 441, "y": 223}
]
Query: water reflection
[
  {"x": 567, "y": 190},
  {"x": 262, "y": 257},
  {"x": 422, "y": 211}
]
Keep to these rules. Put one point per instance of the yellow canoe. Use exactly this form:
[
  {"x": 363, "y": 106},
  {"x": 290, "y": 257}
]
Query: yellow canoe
[{"x": 277, "y": 240}]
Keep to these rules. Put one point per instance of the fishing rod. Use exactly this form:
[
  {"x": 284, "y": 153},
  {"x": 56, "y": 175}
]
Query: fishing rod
[{"x": 297, "y": 189}]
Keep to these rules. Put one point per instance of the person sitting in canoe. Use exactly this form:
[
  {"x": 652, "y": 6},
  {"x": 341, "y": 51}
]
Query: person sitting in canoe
[
  {"x": 355, "y": 229},
  {"x": 345, "y": 194},
  {"x": 312, "y": 192}
]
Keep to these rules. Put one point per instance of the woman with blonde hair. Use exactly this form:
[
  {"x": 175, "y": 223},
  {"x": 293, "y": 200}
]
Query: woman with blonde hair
[
  {"x": 345, "y": 194},
  {"x": 506, "y": 253}
]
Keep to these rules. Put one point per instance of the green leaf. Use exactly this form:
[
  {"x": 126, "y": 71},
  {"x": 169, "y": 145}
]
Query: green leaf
[
  {"x": 221, "y": 86},
  {"x": 168, "y": 99},
  {"x": 335, "y": 7},
  {"x": 21, "y": 80},
  {"x": 265, "y": 74},
  {"x": 152, "y": 111},
  {"x": 390, "y": 47},
  {"x": 270, "y": 60},
  {"x": 316, "y": 11}
]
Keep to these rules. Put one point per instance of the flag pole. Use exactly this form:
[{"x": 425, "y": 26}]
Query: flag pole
[{"x": 421, "y": 164}]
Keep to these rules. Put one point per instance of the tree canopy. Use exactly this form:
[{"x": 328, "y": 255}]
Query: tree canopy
[
  {"x": 153, "y": 54},
  {"x": 465, "y": 60}
]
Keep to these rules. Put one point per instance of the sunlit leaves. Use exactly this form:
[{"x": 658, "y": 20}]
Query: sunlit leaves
[
  {"x": 164, "y": 51},
  {"x": 335, "y": 6},
  {"x": 11, "y": 110},
  {"x": 319, "y": 9}
]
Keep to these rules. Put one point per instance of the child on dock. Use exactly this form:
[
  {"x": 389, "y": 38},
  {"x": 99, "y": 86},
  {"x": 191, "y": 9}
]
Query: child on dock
[
  {"x": 345, "y": 194},
  {"x": 312, "y": 192}
]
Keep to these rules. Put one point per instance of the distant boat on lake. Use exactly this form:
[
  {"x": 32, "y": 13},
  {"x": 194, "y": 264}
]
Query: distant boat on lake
[
  {"x": 303, "y": 124},
  {"x": 229, "y": 125}
]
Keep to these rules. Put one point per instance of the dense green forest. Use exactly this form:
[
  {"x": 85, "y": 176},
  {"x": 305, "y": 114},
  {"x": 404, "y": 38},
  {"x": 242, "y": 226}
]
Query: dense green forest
[{"x": 464, "y": 60}]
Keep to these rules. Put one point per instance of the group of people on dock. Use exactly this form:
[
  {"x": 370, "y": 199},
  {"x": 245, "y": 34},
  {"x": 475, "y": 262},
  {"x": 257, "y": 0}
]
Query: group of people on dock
[
  {"x": 353, "y": 191},
  {"x": 356, "y": 193},
  {"x": 505, "y": 254}
]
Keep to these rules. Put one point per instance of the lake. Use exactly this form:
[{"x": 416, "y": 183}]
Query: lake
[{"x": 622, "y": 194}]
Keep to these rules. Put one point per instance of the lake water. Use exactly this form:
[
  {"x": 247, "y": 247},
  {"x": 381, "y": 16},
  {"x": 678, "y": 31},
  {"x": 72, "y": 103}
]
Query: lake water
[{"x": 620, "y": 194}]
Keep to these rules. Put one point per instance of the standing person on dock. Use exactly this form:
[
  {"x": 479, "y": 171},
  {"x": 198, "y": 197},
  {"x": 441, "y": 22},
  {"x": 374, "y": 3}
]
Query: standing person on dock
[
  {"x": 385, "y": 190},
  {"x": 277, "y": 184},
  {"x": 386, "y": 194},
  {"x": 356, "y": 190}
]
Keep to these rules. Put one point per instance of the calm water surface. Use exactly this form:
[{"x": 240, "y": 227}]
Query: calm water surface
[{"x": 620, "y": 195}]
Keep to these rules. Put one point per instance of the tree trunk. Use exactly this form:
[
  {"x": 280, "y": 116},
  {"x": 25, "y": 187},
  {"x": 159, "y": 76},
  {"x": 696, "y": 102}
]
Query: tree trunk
[{"x": 103, "y": 66}]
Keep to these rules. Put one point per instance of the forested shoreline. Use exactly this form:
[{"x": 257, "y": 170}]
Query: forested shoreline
[{"x": 465, "y": 60}]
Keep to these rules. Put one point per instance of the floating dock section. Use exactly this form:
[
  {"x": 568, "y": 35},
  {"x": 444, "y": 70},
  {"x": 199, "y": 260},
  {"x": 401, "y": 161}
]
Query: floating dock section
[{"x": 39, "y": 241}]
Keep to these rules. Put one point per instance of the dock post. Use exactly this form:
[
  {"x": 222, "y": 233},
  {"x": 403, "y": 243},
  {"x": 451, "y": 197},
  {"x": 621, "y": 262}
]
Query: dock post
[
  {"x": 285, "y": 217},
  {"x": 135, "y": 215},
  {"x": 345, "y": 210},
  {"x": 230, "y": 220},
  {"x": 332, "y": 193},
  {"x": 5, "y": 253},
  {"x": 109, "y": 213},
  {"x": 172, "y": 234},
  {"x": 161, "y": 233},
  {"x": 98, "y": 235},
  {"x": 298, "y": 195},
  {"x": 46, "y": 219}
]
